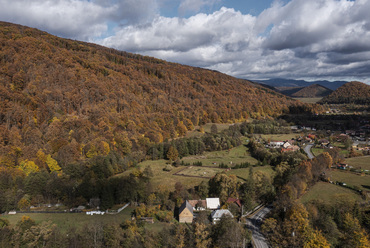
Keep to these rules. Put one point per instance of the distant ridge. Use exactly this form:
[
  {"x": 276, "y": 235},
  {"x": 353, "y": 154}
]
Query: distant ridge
[
  {"x": 283, "y": 82},
  {"x": 314, "y": 90},
  {"x": 352, "y": 92}
]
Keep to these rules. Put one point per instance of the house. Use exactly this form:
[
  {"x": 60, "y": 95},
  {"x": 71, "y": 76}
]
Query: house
[
  {"x": 186, "y": 213},
  {"x": 213, "y": 203},
  {"x": 198, "y": 205},
  {"x": 286, "y": 144},
  {"x": 217, "y": 214},
  {"x": 290, "y": 149},
  {"x": 276, "y": 144},
  {"x": 234, "y": 200}
]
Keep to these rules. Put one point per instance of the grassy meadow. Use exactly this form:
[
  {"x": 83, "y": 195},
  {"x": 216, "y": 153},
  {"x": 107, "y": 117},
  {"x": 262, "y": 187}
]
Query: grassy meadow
[
  {"x": 279, "y": 137},
  {"x": 362, "y": 162},
  {"x": 329, "y": 193},
  {"x": 351, "y": 179},
  {"x": 243, "y": 173},
  {"x": 66, "y": 221},
  {"x": 167, "y": 179}
]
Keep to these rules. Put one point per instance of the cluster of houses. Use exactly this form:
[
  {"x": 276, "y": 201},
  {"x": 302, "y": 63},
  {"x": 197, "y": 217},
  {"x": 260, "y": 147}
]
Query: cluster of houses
[
  {"x": 187, "y": 209},
  {"x": 285, "y": 146}
]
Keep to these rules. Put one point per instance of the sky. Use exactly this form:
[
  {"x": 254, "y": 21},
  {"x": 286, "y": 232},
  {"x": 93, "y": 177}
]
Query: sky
[{"x": 251, "y": 39}]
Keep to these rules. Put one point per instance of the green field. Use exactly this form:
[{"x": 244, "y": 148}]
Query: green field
[
  {"x": 66, "y": 221},
  {"x": 317, "y": 151},
  {"x": 329, "y": 193},
  {"x": 278, "y": 137},
  {"x": 200, "y": 171},
  {"x": 309, "y": 100},
  {"x": 235, "y": 155},
  {"x": 244, "y": 172},
  {"x": 359, "y": 162},
  {"x": 351, "y": 179},
  {"x": 166, "y": 179}
]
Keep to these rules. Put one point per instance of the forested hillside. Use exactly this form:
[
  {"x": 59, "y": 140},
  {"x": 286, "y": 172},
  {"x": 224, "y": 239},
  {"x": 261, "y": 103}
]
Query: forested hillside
[
  {"x": 352, "y": 92},
  {"x": 314, "y": 90},
  {"x": 74, "y": 100}
]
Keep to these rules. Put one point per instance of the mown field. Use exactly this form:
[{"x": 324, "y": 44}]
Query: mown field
[
  {"x": 329, "y": 193},
  {"x": 351, "y": 179},
  {"x": 359, "y": 162},
  {"x": 66, "y": 221}
]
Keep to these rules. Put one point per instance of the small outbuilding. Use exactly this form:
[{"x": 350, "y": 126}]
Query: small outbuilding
[{"x": 213, "y": 203}]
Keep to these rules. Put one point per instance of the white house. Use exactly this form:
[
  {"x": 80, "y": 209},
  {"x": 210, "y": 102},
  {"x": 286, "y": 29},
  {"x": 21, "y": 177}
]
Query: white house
[
  {"x": 217, "y": 214},
  {"x": 276, "y": 144},
  {"x": 213, "y": 203}
]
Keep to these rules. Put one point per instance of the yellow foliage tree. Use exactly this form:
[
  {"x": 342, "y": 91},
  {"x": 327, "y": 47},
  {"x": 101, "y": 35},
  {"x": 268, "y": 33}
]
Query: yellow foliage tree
[
  {"x": 28, "y": 167},
  {"x": 316, "y": 240},
  {"x": 53, "y": 165},
  {"x": 172, "y": 153}
]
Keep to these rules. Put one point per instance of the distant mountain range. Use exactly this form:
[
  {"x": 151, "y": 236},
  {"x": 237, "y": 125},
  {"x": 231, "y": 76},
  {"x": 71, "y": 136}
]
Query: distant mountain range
[{"x": 283, "y": 82}]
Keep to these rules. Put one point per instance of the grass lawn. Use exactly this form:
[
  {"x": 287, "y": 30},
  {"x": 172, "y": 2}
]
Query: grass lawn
[
  {"x": 362, "y": 162},
  {"x": 309, "y": 100},
  {"x": 329, "y": 193},
  {"x": 351, "y": 179},
  {"x": 78, "y": 220},
  {"x": 244, "y": 172},
  {"x": 317, "y": 151},
  {"x": 278, "y": 137}
]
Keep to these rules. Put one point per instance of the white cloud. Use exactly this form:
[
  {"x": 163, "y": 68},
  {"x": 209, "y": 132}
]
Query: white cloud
[{"x": 78, "y": 19}]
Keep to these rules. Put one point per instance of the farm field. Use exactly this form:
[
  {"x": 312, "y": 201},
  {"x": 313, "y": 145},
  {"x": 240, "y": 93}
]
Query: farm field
[
  {"x": 235, "y": 155},
  {"x": 166, "y": 179},
  {"x": 351, "y": 179},
  {"x": 66, "y": 221},
  {"x": 278, "y": 137},
  {"x": 243, "y": 173},
  {"x": 359, "y": 162},
  {"x": 329, "y": 193},
  {"x": 309, "y": 100},
  {"x": 200, "y": 171}
]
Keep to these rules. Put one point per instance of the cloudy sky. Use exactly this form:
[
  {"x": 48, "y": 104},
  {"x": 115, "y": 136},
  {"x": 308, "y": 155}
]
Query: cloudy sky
[{"x": 253, "y": 39}]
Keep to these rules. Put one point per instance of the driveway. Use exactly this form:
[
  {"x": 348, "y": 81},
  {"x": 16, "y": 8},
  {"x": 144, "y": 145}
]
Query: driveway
[{"x": 307, "y": 149}]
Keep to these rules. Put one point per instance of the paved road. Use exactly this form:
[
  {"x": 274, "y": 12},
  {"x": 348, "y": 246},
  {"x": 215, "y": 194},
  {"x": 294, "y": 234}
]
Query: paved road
[
  {"x": 254, "y": 223},
  {"x": 307, "y": 149}
]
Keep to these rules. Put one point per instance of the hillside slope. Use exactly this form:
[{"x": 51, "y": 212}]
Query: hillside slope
[
  {"x": 75, "y": 100},
  {"x": 314, "y": 90},
  {"x": 352, "y": 92}
]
